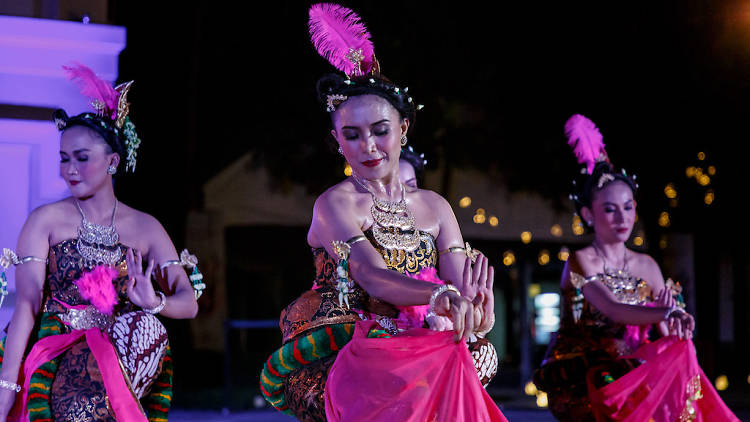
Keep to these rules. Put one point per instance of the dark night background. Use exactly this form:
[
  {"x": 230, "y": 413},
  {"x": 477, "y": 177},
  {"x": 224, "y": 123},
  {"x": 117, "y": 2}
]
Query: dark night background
[{"x": 663, "y": 80}]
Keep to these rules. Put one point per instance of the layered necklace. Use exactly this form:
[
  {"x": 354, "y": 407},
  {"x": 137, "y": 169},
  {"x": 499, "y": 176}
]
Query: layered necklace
[
  {"x": 393, "y": 222},
  {"x": 96, "y": 243},
  {"x": 600, "y": 253}
]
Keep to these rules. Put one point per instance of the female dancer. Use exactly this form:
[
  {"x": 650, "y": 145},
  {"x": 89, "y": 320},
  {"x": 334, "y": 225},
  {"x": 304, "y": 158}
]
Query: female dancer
[
  {"x": 601, "y": 365},
  {"x": 411, "y": 167},
  {"x": 97, "y": 351},
  {"x": 347, "y": 356}
]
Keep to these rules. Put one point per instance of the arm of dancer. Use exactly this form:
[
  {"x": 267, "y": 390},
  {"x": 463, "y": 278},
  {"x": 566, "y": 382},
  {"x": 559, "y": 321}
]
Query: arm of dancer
[
  {"x": 180, "y": 302},
  {"x": 334, "y": 218},
  {"x": 606, "y": 302},
  {"x": 32, "y": 242},
  {"x": 478, "y": 285}
]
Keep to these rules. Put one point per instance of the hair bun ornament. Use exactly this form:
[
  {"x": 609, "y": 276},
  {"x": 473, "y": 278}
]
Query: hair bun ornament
[
  {"x": 586, "y": 140},
  {"x": 340, "y": 36}
]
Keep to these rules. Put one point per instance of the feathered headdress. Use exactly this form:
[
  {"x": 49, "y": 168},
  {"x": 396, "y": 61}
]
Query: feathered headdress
[
  {"x": 110, "y": 103},
  {"x": 586, "y": 140},
  {"x": 340, "y": 36}
]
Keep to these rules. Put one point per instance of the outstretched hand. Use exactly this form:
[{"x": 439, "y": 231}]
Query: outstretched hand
[
  {"x": 140, "y": 289},
  {"x": 479, "y": 280}
]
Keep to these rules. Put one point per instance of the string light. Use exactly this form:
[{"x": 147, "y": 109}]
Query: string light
[
  {"x": 509, "y": 258},
  {"x": 530, "y": 388},
  {"x": 708, "y": 199},
  {"x": 534, "y": 290},
  {"x": 701, "y": 155},
  {"x": 526, "y": 237},
  {"x": 541, "y": 399},
  {"x": 494, "y": 221},
  {"x": 556, "y": 230},
  {"x": 543, "y": 257},
  {"x": 663, "y": 243},
  {"x": 464, "y": 202},
  {"x": 690, "y": 172},
  {"x": 704, "y": 180},
  {"x": 638, "y": 241},
  {"x": 711, "y": 170},
  {"x": 664, "y": 219},
  {"x": 722, "y": 382},
  {"x": 564, "y": 254},
  {"x": 479, "y": 218},
  {"x": 670, "y": 191}
]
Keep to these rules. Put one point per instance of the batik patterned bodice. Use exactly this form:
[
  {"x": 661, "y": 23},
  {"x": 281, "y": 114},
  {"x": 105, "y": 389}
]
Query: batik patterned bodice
[{"x": 67, "y": 265}]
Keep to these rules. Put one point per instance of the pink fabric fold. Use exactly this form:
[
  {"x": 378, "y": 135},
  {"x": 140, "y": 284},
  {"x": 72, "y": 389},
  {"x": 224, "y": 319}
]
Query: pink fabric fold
[
  {"x": 123, "y": 402},
  {"x": 418, "y": 375},
  {"x": 658, "y": 389}
]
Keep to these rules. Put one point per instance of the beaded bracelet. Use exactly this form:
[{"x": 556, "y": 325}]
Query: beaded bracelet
[
  {"x": 438, "y": 291},
  {"x": 158, "y": 307},
  {"x": 10, "y": 386}
]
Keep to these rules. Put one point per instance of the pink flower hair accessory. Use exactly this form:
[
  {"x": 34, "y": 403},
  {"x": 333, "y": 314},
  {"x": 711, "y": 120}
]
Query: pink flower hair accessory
[{"x": 98, "y": 288}]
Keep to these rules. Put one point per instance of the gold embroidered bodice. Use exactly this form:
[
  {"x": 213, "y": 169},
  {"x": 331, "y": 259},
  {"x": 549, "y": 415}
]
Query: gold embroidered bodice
[
  {"x": 583, "y": 328},
  {"x": 410, "y": 263}
]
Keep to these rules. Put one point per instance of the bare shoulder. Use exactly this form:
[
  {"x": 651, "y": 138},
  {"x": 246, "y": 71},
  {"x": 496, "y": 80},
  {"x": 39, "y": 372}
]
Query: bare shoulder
[
  {"x": 646, "y": 267},
  {"x": 338, "y": 195},
  {"x": 48, "y": 216},
  {"x": 585, "y": 261}
]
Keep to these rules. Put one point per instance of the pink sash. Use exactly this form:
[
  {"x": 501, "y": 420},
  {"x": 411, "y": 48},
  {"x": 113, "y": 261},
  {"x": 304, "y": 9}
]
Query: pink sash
[
  {"x": 121, "y": 399},
  {"x": 668, "y": 383},
  {"x": 419, "y": 375}
]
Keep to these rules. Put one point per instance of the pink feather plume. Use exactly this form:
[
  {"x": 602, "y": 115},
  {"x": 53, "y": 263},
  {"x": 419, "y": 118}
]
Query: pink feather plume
[
  {"x": 94, "y": 87},
  {"x": 97, "y": 287},
  {"x": 585, "y": 139},
  {"x": 335, "y": 31}
]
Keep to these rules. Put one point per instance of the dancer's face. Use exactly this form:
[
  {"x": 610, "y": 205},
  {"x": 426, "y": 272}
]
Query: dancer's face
[
  {"x": 613, "y": 212},
  {"x": 368, "y": 129},
  {"x": 84, "y": 159},
  {"x": 406, "y": 174}
]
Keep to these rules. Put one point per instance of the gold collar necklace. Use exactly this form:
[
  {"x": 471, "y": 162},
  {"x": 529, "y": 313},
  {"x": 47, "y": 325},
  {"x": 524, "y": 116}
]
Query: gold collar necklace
[{"x": 393, "y": 222}]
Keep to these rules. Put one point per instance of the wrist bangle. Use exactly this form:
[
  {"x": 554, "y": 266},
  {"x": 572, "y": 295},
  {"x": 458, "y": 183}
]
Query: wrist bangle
[
  {"x": 437, "y": 292},
  {"x": 10, "y": 386},
  {"x": 158, "y": 307},
  {"x": 672, "y": 310}
]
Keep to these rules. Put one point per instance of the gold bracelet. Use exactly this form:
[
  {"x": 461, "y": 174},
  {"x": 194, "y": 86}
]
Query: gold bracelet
[{"x": 467, "y": 249}]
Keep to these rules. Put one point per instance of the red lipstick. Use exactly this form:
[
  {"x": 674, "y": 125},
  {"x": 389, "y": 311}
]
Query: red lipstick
[{"x": 372, "y": 163}]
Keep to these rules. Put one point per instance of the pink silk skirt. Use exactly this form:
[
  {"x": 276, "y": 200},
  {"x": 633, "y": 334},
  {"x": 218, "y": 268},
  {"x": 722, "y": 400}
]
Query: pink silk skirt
[
  {"x": 419, "y": 375},
  {"x": 668, "y": 386}
]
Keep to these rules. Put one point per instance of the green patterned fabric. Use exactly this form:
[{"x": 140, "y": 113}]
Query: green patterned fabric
[{"x": 317, "y": 344}]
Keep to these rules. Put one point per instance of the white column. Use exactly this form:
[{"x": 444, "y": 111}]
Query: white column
[{"x": 32, "y": 53}]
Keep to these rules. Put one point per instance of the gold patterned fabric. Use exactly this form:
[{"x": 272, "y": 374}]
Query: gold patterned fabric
[{"x": 587, "y": 345}]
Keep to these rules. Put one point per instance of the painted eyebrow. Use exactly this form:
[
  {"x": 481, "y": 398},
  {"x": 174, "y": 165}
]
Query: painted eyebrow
[{"x": 374, "y": 124}]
